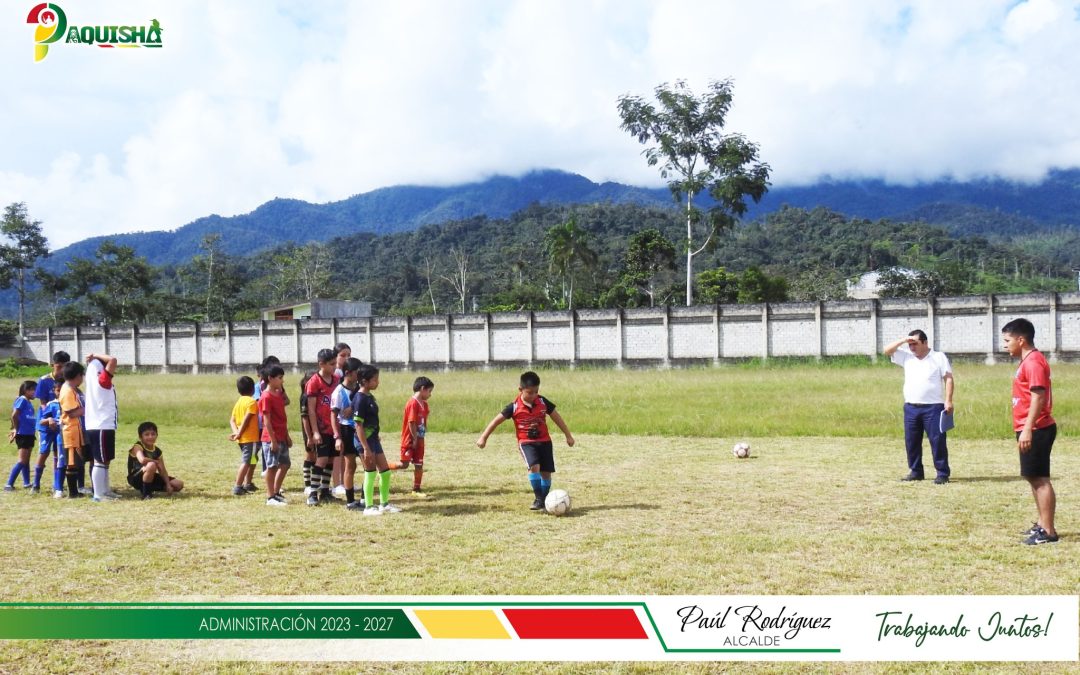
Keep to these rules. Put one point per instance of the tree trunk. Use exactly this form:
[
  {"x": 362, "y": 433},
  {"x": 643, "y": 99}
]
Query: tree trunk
[
  {"x": 22, "y": 303},
  {"x": 689, "y": 254}
]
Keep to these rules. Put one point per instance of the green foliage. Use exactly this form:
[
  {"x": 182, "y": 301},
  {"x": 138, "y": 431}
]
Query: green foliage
[
  {"x": 23, "y": 244},
  {"x": 684, "y": 135},
  {"x": 9, "y": 332},
  {"x": 569, "y": 256},
  {"x": 10, "y": 368},
  {"x": 718, "y": 286}
]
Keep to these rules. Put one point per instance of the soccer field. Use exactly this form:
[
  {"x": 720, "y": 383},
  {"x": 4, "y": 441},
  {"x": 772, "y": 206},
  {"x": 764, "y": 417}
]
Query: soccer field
[{"x": 660, "y": 504}]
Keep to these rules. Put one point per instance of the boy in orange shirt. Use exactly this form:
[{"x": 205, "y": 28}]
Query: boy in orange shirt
[{"x": 72, "y": 407}]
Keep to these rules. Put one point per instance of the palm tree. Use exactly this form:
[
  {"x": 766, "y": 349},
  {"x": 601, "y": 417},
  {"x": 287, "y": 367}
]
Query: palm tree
[{"x": 567, "y": 248}]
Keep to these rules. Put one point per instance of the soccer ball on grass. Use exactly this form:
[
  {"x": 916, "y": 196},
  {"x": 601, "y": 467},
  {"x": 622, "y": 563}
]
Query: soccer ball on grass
[
  {"x": 741, "y": 450},
  {"x": 557, "y": 503}
]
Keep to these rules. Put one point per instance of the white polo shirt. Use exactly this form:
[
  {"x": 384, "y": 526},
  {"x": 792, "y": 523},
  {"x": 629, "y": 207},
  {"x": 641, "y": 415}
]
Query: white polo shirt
[
  {"x": 924, "y": 379},
  {"x": 100, "y": 398}
]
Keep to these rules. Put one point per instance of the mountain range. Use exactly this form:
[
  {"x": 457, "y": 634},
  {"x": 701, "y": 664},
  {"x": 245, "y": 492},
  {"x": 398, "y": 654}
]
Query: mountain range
[{"x": 986, "y": 207}]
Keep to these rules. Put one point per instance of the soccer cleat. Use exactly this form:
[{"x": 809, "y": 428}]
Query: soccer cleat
[
  {"x": 911, "y": 477},
  {"x": 313, "y": 499},
  {"x": 238, "y": 490},
  {"x": 389, "y": 508},
  {"x": 1041, "y": 537},
  {"x": 279, "y": 498},
  {"x": 1035, "y": 527},
  {"x": 537, "y": 505},
  {"x": 941, "y": 480},
  {"x": 355, "y": 506},
  {"x": 372, "y": 511},
  {"x": 274, "y": 502}
]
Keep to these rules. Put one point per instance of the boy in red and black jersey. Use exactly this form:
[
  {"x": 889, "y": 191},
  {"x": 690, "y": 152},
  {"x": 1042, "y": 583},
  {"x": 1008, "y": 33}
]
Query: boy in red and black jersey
[
  {"x": 319, "y": 389},
  {"x": 530, "y": 412}
]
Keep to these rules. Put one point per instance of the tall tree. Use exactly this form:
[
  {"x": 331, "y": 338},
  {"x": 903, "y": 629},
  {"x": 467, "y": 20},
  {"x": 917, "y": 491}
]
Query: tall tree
[
  {"x": 684, "y": 135},
  {"x": 119, "y": 284},
  {"x": 459, "y": 280},
  {"x": 23, "y": 244},
  {"x": 52, "y": 287},
  {"x": 568, "y": 251}
]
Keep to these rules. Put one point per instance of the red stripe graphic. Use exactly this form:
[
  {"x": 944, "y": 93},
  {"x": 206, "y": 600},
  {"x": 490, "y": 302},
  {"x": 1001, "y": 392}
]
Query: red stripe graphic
[{"x": 576, "y": 624}]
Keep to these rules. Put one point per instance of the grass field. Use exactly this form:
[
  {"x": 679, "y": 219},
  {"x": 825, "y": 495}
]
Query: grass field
[{"x": 661, "y": 507}]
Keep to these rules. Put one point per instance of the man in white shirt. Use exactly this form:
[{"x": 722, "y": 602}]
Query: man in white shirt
[
  {"x": 928, "y": 391},
  {"x": 100, "y": 419}
]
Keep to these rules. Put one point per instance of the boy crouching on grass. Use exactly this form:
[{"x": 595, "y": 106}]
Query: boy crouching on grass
[
  {"x": 244, "y": 422},
  {"x": 146, "y": 465},
  {"x": 529, "y": 412},
  {"x": 276, "y": 440}
]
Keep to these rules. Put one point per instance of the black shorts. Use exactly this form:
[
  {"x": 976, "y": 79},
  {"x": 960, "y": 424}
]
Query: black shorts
[
  {"x": 348, "y": 440},
  {"x": 135, "y": 480},
  {"x": 102, "y": 444},
  {"x": 1035, "y": 463},
  {"x": 24, "y": 441},
  {"x": 374, "y": 442},
  {"x": 326, "y": 448},
  {"x": 539, "y": 453}
]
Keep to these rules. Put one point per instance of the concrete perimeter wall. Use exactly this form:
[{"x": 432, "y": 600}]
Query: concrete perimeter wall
[{"x": 961, "y": 327}]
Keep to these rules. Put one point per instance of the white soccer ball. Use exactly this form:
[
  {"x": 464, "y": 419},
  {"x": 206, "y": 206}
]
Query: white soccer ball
[
  {"x": 557, "y": 503},
  {"x": 741, "y": 450}
]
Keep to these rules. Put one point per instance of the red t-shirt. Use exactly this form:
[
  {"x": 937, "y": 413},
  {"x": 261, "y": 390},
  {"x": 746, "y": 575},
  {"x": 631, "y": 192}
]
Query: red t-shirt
[
  {"x": 1033, "y": 372},
  {"x": 530, "y": 421},
  {"x": 319, "y": 392},
  {"x": 415, "y": 411},
  {"x": 272, "y": 407}
]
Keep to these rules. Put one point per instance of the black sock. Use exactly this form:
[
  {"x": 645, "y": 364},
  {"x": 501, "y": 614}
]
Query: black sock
[
  {"x": 307, "y": 472},
  {"x": 349, "y": 494},
  {"x": 73, "y": 481},
  {"x": 145, "y": 488}
]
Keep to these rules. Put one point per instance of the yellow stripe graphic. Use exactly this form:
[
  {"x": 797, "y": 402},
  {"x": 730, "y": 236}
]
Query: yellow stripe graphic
[{"x": 468, "y": 624}]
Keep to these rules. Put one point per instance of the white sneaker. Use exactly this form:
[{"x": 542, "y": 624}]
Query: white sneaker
[
  {"x": 389, "y": 508},
  {"x": 107, "y": 497},
  {"x": 339, "y": 492},
  {"x": 59, "y": 494},
  {"x": 372, "y": 511},
  {"x": 86, "y": 491},
  {"x": 112, "y": 495},
  {"x": 275, "y": 502},
  {"x": 308, "y": 490}
]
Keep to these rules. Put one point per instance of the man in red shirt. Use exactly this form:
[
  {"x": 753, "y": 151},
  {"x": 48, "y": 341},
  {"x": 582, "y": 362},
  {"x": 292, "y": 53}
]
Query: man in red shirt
[{"x": 1032, "y": 403}]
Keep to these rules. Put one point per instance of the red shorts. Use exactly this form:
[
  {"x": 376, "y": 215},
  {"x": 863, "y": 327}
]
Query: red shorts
[{"x": 414, "y": 456}]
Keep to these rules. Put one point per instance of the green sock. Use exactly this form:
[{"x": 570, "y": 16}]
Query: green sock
[
  {"x": 384, "y": 487},
  {"x": 369, "y": 488}
]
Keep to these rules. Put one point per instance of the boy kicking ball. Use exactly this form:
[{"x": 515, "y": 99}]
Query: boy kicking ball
[{"x": 529, "y": 412}]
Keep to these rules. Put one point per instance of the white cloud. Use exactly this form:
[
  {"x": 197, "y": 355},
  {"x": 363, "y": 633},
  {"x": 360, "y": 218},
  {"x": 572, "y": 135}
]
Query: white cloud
[{"x": 251, "y": 100}]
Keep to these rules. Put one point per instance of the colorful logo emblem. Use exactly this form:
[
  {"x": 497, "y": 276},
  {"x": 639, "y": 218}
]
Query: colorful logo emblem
[{"x": 52, "y": 27}]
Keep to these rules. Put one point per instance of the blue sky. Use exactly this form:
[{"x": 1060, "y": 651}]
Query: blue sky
[{"x": 248, "y": 101}]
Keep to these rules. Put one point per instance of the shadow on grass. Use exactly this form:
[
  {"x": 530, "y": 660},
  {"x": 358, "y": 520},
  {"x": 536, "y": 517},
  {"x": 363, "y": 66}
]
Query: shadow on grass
[
  {"x": 985, "y": 479},
  {"x": 585, "y": 510}
]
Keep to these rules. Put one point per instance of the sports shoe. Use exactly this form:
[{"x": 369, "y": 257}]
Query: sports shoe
[
  {"x": 86, "y": 491},
  {"x": 389, "y": 508},
  {"x": 280, "y": 498},
  {"x": 372, "y": 511},
  {"x": 9, "y": 488},
  {"x": 355, "y": 506},
  {"x": 113, "y": 495},
  {"x": 911, "y": 476},
  {"x": 419, "y": 494},
  {"x": 339, "y": 492},
  {"x": 1041, "y": 537},
  {"x": 274, "y": 502},
  {"x": 239, "y": 490},
  {"x": 941, "y": 480},
  {"x": 308, "y": 490},
  {"x": 250, "y": 487},
  {"x": 59, "y": 494},
  {"x": 313, "y": 499},
  {"x": 107, "y": 497},
  {"x": 537, "y": 505},
  {"x": 35, "y": 490},
  {"x": 1035, "y": 527},
  {"x": 148, "y": 496},
  {"x": 327, "y": 496}
]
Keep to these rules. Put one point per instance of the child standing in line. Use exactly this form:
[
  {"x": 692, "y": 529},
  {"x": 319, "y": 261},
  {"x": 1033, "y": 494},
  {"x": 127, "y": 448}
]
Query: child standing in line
[
  {"x": 146, "y": 465},
  {"x": 529, "y": 412},
  {"x": 344, "y": 352},
  {"x": 72, "y": 408},
  {"x": 319, "y": 389},
  {"x": 48, "y": 426},
  {"x": 276, "y": 440},
  {"x": 46, "y": 389},
  {"x": 414, "y": 430},
  {"x": 366, "y": 416},
  {"x": 345, "y": 429},
  {"x": 245, "y": 431},
  {"x": 23, "y": 423}
]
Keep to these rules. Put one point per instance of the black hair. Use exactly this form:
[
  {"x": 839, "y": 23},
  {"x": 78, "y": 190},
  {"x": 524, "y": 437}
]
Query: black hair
[
  {"x": 60, "y": 357},
  {"x": 529, "y": 379},
  {"x": 1020, "y": 328},
  {"x": 27, "y": 385},
  {"x": 422, "y": 383},
  {"x": 270, "y": 361},
  {"x": 245, "y": 386},
  {"x": 340, "y": 347},
  {"x": 367, "y": 372},
  {"x": 58, "y": 381},
  {"x": 352, "y": 365},
  {"x": 326, "y": 355},
  {"x": 274, "y": 371},
  {"x": 147, "y": 426},
  {"x": 73, "y": 369},
  {"x": 918, "y": 334}
]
